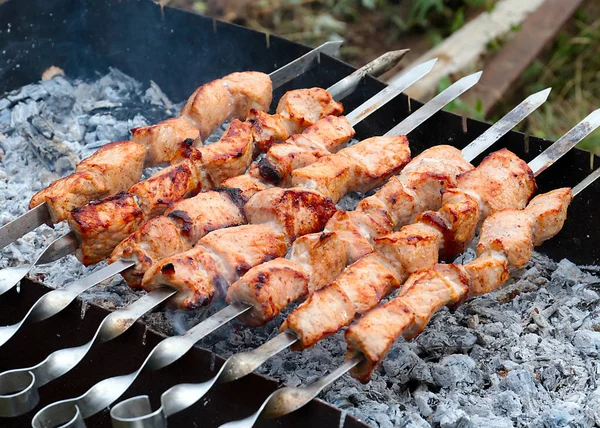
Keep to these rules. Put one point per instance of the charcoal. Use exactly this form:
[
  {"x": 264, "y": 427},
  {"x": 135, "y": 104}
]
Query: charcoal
[{"x": 524, "y": 355}]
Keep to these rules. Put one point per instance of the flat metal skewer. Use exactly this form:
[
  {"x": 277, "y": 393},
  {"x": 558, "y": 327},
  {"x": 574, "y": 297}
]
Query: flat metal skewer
[
  {"x": 19, "y": 387},
  {"x": 11, "y": 276},
  {"x": 129, "y": 413},
  {"x": 289, "y": 399},
  {"x": 39, "y": 215},
  {"x": 109, "y": 390}
]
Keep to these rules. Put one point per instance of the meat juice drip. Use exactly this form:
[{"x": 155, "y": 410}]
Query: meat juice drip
[{"x": 525, "y": 355}]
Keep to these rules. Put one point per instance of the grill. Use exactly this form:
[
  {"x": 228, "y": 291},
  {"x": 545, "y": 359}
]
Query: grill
[{"x": 151, "y": 43}]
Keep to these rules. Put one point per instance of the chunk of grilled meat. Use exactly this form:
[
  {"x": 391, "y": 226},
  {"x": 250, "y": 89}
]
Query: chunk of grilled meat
[
  {"x": 321, "y": 139},
  {"x": 358, "y": 167},
  {"x": 164, "y": 139},
  {"x": 296, "y": 110},
  {"x": 195, "y": 169},
  {"x": 219, "y": 259},
  {"x": 182, "y": 226},
  {"x": 235, "y": 250},
  {"x": 232, "y": 97},
  {"x": 119, "y": 213},
  {"x": 113, "y": 168},
  {"x": 507, "y": 240}
]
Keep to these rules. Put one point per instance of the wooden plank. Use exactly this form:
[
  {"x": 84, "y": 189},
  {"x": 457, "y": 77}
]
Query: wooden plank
[
  {"x": 461, "y": 52},
  {"x": 505, "y": 68}
]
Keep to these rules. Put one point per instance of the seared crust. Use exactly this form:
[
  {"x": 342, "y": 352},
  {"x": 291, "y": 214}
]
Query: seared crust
[
  {"x": 297, "y": 211},
  {"x": 164, "y": 138},
  {"x": 502, "y": 180},
  {"x": 165, "y": 187},
  {"x": 113, "y": 168},
  {"x": 361, "y": 167},
  {"x": 321, "y": 139},
  {"x": 229, "y": 98},
  {"x": 101, "y": 225}
]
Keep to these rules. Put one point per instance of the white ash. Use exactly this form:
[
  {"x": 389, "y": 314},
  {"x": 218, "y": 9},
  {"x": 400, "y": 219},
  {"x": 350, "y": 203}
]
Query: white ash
[
  {"x": 525, "y": 355},
  {"x": 45, "y": 129}
]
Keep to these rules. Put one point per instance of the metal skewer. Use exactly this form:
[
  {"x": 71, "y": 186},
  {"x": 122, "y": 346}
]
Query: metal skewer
[
  {"x": 39, "y": 215},
  {"x": 19, "y": 387},
  {"x": 109, "y": 390},
  {"x": 129, "y": 413},
  {"x": 48, "y": 307},
  {"x": 289, "y": 399}
]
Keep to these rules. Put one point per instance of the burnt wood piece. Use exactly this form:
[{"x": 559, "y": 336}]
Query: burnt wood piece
[{"x": 502, "y": 72}]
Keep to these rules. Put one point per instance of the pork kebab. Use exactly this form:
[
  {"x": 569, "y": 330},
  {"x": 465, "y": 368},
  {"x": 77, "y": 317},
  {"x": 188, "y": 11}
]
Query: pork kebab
[
  {"x": 223, "y": 255},
  {"x": 101, "y": 225},
  {"x": 505, "y": 234},
  {"x": 118, "y": 166},
  {"x": 244, "y": 363},
  {"x": 211, "y": 210}
]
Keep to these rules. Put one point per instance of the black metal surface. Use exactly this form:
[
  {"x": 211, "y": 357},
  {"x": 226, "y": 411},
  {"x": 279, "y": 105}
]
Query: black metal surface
[{"x": 180, "y": 51}]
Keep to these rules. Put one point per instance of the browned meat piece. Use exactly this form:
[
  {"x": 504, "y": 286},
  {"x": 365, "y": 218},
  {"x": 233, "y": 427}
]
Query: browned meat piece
[
  {"x": 246, "y": 184},
  {"x": 194, "y": 273},
  {"x": 406, "y": 315},
  {"x": 321, "y": 139},
  {"x": 549, "y": 213},
  {"x": 70, "y": 192},
  {"x": 420, "y": 185},
  {"x": 121, "y": 164},
  {"x": 113, "y": 168},
  {"x": 164, "y": 139},
  {"x": 296, "y": 211},
  {"x": 345, "y": 225},
  {"x": 205, "y": 212},
  {"x": 375, "y": 334},
  {"x": 270, "y": 287},
  {"x": 360, "y": 288},
  {"x": 413, "y": 248},
  {"x": 238, "y": 249},
  {"x": 182, "y": 226},
  {"x": 215, "y": 102},
  {"x": 165, "y": 187},
  {"x": 230, "y": 156},
  {"x": 322, "y": 255},
  {"x": 456, "y": 221},
  {"x": 296, "y": 111},
  {"x": 361, "y": 167},
  {"x": 100, "y": 226},
  {"x": 509, "y": 232},
  {"x": 502, "y": 180},
  {"x": 156, "y": 239},
  {"x": 307, "y": 106},
  {"x": 250, "y": 90},
  {"x": 487, "y": 273}
]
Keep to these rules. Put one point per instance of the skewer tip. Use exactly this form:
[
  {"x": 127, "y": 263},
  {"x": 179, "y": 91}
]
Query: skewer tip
[
  {"x": 330, "y": 48},
  {"x": 472, "y": 77}
]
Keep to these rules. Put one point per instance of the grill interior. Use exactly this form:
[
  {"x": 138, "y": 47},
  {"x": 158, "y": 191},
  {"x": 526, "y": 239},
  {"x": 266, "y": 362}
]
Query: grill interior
[{"x": 148, "y": 42}]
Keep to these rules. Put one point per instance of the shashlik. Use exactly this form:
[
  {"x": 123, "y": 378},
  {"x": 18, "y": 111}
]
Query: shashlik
[
  {"x": 501, "y": 181},
  {"x": 187, "y": 221},
  {"x": 118, "y": 166},
  {"x": 101, "y": 225},
  {"x": 506, "y": 241},
  {"x": 293, "y": 212},
  {"x": 269, "y": 288}
]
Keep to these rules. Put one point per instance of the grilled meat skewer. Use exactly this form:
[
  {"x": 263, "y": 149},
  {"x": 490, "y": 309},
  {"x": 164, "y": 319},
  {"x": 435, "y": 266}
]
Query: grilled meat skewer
[
  {"x": 161, "y": 140},
  {"x": 502, "y": 180},
  {"x": 101, "y": 225},
  {"x": 156, "y": 144},
  {"x": 507, "y": 240}
]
